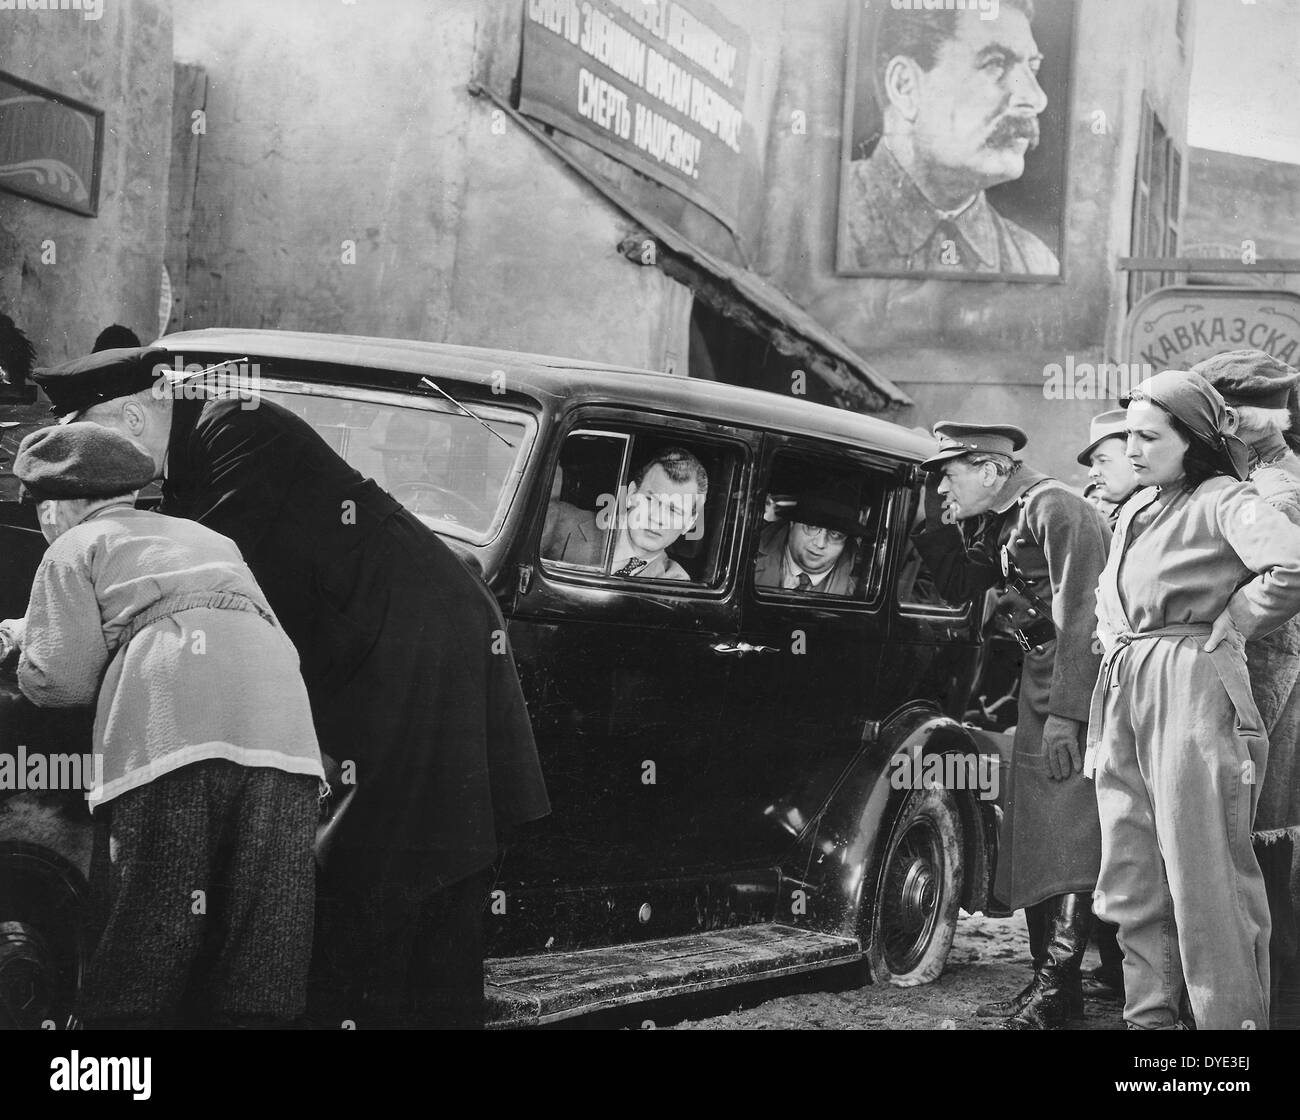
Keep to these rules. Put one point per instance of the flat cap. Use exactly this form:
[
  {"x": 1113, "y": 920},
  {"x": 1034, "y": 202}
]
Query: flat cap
[
  {"x": 81, "y": 460},
  {"x": 956, "y": 438},
  {"x": 77, "y": 385},
  {"x": 1106, "y": 426},
  {"x": 1250, "y": 377}
]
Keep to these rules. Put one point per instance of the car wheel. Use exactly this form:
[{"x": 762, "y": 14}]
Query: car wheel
[
  {"x": 918, "y": 891},
  {"x": 43, "y": 945}
]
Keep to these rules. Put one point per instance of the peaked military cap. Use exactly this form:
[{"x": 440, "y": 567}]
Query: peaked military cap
[
  {"x": 1106, "y": 426},
  {"x": 78, "y": 385},
  {"x": 956, "y": 439}
]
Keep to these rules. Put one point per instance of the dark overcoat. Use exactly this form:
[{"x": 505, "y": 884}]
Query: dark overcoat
[
  {"x": 1050, "y": 842},
  {"x": 402, "y": 646}
]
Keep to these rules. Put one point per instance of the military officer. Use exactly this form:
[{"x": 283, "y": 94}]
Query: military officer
[{"x": 1040, "y": 548}]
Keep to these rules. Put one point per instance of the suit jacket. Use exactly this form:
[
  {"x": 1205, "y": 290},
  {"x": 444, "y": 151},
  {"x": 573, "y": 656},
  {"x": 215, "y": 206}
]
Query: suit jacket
[
  {"x": 768, "y": 563},
  {"x": 572, "y": 537},
  {"x": 1059, "y": 542},
  {"x": 395, "y": 634}
]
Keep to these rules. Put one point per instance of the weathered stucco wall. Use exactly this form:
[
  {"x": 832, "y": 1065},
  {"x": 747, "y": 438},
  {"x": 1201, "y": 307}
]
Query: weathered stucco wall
[
  {"x": 106, "y": 269},
  {"x": 466, "y": 230},
  {"x": 1232, "y": 199},
  {"x": 962, "y": 348}
]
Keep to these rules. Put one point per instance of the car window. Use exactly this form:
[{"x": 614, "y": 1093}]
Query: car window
[
  {"x": 821, "y": 536},
  {"x": 444, "y": 466},
  {"x": 917, "y": 591},
  {"x": 639, "y": 505}
]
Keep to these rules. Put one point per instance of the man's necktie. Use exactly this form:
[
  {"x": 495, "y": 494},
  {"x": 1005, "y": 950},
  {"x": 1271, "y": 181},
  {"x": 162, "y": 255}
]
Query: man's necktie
[
  {"x": 803, "y": 583},
  {"x": 632, "y": 567}
]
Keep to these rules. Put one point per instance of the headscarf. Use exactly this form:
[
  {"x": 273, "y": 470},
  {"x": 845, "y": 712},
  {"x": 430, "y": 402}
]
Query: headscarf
[{"x": 1202, "y": 410}]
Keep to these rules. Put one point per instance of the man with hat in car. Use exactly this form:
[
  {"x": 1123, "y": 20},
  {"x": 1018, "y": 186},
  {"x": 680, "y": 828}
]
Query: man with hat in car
[
  {"x": 811, "y": 547},
  {"x": 1106, "y": 458},
  {"x": 1262, "y": 391},
  {"x": 400, "y": 648},
  {"x": 1040, "y": 548}
]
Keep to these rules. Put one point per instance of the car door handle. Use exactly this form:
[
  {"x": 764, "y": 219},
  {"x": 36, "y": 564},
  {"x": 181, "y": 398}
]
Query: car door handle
[{"x": 741, "y": 648}]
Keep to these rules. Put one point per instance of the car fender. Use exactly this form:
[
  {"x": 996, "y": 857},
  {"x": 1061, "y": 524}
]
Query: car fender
[{"x": 835, "y": 857}]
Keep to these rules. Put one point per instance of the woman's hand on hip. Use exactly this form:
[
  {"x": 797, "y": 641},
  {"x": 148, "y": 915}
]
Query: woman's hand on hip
[{"x": 1223, "y": 629}]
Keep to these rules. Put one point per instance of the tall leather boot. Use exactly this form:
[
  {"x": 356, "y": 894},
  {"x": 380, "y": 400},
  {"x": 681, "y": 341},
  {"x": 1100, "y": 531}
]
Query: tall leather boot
[
  {"x": 1106, "y": 981},
  {"x": 1057, "y": 995},
  {"x": 1036, "y": 920}
]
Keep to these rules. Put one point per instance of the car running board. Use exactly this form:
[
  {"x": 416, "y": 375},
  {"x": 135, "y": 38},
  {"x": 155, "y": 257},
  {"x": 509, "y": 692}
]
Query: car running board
[{"x": 526, "y": 991}]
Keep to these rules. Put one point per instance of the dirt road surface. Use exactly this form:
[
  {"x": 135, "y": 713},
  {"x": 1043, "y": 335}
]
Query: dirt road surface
[{"x": 989, "y": 960}]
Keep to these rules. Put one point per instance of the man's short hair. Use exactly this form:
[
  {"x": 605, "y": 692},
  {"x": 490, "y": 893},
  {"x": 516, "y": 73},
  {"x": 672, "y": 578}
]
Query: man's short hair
[
  {"x": 1264, "y": 419},
  {"x": 1005, "y": 465},
  {"x": 918, "y": 34},
  {"x": 680, "y": 466}
]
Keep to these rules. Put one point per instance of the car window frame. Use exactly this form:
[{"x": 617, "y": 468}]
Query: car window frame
[
  {"x": 850, "y": 457},
  {"x": 587, "y": 420},
  {"x": 901, "y": 499}
]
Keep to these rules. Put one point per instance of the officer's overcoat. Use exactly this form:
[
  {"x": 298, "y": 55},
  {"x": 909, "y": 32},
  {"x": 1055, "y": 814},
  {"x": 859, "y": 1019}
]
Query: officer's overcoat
[{"x": 1050, "y": 841}]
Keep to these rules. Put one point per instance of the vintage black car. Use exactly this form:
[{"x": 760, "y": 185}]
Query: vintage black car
[{"x": 723, "y": 754}]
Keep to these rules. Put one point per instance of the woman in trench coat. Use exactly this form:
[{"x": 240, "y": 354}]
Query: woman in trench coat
[{"x": 1199, "y": 564}]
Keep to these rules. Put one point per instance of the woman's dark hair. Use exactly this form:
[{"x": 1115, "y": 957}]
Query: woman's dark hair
[{"x": 1200, "y": 460}]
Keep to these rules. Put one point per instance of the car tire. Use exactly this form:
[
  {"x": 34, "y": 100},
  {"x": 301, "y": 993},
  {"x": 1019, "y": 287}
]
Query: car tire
[
  {"x": 918, "y": 886},
  {"x": 43, "y": 942}
]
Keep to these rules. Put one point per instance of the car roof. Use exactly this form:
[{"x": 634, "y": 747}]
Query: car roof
[{"x": 559, "y": 381}]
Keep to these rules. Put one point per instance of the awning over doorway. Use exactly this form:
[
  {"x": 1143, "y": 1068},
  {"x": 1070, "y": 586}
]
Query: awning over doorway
[{"x": 737, "y": 292}]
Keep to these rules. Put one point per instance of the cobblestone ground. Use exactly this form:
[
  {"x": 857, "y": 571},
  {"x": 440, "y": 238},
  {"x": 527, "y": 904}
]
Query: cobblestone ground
[{"x": 989, "y": 960}]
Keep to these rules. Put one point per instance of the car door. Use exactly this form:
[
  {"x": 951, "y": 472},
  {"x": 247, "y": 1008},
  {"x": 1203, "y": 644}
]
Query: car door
[
  {"x": 625, "y": 675},
  {"x": 804, "y": 676}
]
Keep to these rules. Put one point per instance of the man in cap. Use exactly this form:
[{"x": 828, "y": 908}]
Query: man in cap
[
  {"x": 811, "y": 546},
  {"x": 1261, "y": 390},
  {"x": 1111, "y": 471},
  {"x": 187, "y": 788},
  {"x": 401, "y": 651},
  {"x": 1041, "y": 549},
  {"x": 1106, "y": 458}
]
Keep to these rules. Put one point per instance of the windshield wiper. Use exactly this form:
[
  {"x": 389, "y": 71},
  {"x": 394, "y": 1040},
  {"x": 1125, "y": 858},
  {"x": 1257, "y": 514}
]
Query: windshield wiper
[{"x": 467, "y": 412}]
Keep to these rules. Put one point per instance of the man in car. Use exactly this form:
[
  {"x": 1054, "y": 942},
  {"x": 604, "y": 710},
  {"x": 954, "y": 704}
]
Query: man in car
[
  {"x": 811, "y": 547},
  {"x": 1041, "y": 547},
  {"x": 665, "y": 499},
  {"x": 412, "y": 690}
]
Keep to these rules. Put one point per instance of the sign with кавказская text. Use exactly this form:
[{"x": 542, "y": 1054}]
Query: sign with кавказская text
[{"x": 657, "y": 86}]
